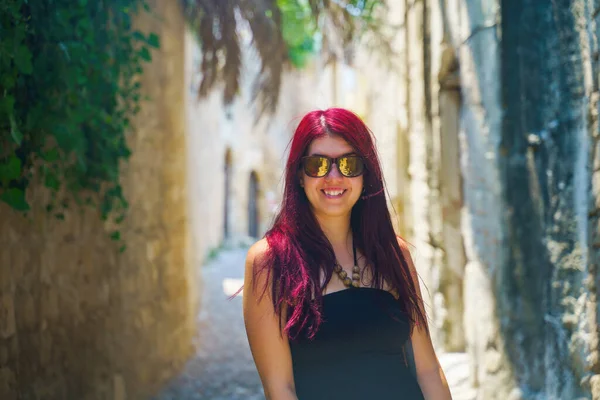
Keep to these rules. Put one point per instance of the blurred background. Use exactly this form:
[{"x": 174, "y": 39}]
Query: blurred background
[{"x": 142, "y": 146}]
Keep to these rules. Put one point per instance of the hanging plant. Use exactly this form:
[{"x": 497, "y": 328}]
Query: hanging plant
[{"x": 68, "y": 89}]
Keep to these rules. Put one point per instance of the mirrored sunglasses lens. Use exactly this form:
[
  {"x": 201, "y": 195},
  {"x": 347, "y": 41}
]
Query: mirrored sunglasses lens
[
  {"x": 350, "y": 166},
  {"x": 316, "y": 166}
]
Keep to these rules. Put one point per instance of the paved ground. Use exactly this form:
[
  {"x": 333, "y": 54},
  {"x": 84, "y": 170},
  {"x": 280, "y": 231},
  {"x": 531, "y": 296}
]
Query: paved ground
[{"x": 223, "y": 368}]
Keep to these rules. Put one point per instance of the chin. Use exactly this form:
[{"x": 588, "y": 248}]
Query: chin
[{"x": 334, "y": 211}]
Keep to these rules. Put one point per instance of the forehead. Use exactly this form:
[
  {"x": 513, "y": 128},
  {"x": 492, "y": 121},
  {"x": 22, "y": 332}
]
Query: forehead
[{"x": 330, "y": 145}]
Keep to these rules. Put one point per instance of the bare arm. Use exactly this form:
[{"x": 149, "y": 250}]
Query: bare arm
[
  {"x": 429, "y": 372},
  {"x": 269, "y": 346}
]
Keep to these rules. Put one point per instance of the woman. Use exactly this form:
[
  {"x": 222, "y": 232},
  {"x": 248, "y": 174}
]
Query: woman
[{"x": 331, "y": 295}]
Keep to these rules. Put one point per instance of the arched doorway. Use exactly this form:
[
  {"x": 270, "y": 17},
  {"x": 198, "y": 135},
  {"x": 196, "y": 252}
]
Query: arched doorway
[
  {"x": 253, "y": 217},
  {"x": 227, "y": 197}
]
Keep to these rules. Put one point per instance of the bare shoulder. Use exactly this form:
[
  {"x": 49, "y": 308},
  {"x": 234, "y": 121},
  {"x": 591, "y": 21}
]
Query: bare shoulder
[
  {"x": 255, "y": 256},
  {"x": 405, "y": 247},
  {"x": 258, "y": 250}
]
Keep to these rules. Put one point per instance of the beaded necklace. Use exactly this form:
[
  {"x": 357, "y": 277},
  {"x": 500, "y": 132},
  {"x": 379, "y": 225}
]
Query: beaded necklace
[{"x": 343, "y": 275}]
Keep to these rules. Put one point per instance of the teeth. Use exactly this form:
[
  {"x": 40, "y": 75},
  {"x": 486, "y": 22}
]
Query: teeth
[{"x": 333, "y": 192}]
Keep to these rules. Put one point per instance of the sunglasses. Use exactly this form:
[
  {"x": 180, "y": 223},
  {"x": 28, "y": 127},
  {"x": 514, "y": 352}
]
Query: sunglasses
[{"x": 319, "y": 166}]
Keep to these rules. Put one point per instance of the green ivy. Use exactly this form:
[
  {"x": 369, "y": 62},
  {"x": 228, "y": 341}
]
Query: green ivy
[
  {"x": 302, "y": 28},
  {"x": 299, "y": 30},
  {"x": 69, "y": 87}
]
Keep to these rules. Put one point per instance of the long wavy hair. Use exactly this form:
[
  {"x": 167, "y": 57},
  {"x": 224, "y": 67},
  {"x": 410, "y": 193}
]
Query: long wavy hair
[{"x": 298, "y": 250}]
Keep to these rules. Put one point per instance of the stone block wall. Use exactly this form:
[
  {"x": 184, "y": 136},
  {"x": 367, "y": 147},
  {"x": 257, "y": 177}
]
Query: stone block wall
[
  {"x": 592, "y": 280},
  {"x": 545, "y": 288},
  {"x": 500, "y": 115},
  {"x": 477, "y": 42},
  {"x": 78, "y": 320}
]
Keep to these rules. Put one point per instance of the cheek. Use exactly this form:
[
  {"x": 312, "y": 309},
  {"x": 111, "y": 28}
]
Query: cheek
[
  {"x": 310, "y": 184},
  {"x": 359, "y": 185}
]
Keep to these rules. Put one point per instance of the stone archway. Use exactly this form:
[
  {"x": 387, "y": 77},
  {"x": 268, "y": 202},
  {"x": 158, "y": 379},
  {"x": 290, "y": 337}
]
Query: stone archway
[{"x": 253, "y": 212}]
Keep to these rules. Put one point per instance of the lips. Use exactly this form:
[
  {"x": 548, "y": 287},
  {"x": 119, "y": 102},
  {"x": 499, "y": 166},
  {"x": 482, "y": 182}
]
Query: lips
[{"x": 333, "y": 193}]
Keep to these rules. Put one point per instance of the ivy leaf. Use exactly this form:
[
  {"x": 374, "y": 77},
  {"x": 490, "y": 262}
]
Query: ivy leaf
[
  {"x": 15, "y": 198},
  {"x": 51, "y": 181},
  {"x": 23, "y": 60},
  {"x": 15, "y": 132},
  {"x": 11, "y": 170},
  {"x": 50, "y": 155},
  {"x": 137, "y": 35},
  {"x": 7, "y": 104},
  {"x": 145, "y": 54},
  {"x": 153, "y": 40}
]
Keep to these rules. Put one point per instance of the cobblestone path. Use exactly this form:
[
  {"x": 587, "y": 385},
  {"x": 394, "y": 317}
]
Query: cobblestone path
[{"x": 223, "y": 368}]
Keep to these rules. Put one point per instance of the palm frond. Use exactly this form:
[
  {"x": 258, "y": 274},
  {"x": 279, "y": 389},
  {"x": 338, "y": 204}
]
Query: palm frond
[
  {"x": 216, "y": 23},
  {"x": 216, "y": 28},
  {"x": 264, "y": 19}
]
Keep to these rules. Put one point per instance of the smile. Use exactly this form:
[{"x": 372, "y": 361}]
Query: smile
[{"x": 333, "y": 193}]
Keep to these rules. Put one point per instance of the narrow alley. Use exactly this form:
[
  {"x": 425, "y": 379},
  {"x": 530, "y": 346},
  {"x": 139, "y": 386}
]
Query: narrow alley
[
  {"x": 143, "y": 141},
  {"x": 223, "y": 368}
]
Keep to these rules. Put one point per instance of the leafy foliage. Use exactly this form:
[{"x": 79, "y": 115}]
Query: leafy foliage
[
  {"x": 68, "y": 89},
  {"x": 284, "y": 33},
  {"x": 298, "y": 30},
  {"x": 69, "y": 80}
]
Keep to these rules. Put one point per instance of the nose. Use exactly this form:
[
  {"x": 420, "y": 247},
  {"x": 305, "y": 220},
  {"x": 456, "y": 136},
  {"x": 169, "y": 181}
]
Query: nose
[{"x": 334, "y": 172}]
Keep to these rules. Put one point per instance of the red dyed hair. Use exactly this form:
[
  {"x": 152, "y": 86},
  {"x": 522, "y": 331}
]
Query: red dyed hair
[{"x": 299, "y": 250}]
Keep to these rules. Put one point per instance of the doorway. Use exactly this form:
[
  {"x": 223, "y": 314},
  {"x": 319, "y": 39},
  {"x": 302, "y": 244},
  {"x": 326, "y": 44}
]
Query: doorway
[
  {"x": 227, "y": 197},
  {"x": 253, "y": 215}
]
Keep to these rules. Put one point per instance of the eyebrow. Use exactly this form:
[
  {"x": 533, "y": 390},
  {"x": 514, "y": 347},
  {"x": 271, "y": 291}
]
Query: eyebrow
[{"x": 352, "y": 153}]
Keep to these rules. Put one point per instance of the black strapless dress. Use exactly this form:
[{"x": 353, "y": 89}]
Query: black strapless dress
[{"x": 358, "y": 352}]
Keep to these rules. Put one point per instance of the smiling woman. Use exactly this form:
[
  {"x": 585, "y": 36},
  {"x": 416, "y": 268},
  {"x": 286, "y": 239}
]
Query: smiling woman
[{"x": 331, "y": 289}]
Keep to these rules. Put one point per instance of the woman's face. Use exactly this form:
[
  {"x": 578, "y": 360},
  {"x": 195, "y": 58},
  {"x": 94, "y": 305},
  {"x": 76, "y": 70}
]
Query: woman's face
[{"x": 334, "y": 194}]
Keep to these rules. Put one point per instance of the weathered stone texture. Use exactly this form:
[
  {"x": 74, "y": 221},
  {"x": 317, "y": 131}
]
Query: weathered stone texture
[
  {"x": 508, "y": 90},
  {"x": 429, "y": 192},
  {"x": 547, "y": 92},
  {"x": 477, "y": 41},
  {"x": 78, "y": 320},
  {"x": 423, "y": 180},
  {"x": 592, "y": 281}
]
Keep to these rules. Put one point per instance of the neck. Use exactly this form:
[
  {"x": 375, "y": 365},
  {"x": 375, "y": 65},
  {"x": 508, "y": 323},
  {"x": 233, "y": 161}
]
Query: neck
[{"x": 337, "y": 230}]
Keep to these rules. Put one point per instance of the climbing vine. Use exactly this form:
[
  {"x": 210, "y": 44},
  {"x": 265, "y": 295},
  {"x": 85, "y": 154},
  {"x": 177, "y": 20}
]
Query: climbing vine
[
  {"x": 69, "y": 83},
  {"x": 68, "y": 89}
]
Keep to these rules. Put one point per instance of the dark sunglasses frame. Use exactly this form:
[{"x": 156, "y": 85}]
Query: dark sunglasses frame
[{"x": 330, "y": 162}]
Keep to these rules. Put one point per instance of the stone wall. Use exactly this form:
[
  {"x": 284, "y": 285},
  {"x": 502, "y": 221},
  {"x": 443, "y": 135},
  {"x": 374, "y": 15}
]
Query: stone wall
[
  {"x": 78, "y": 320},
  {"x": 592, "y": 280},
  {"x": 545, "y": 293},
  {"x": 477, "y": 42},
  {"x": 502, "y": 105}
]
